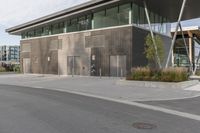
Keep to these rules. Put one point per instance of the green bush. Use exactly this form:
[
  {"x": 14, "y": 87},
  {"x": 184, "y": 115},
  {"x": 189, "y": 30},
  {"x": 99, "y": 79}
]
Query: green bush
[
  {"x": 2, "y": 69},
  {"x": 174, "y": 75},
  {"x": 164, "y": 75},
  {"x": 141, "y": 73},
  {"x": 198, "y": 73},
  {"x": 17, "y": 69}
]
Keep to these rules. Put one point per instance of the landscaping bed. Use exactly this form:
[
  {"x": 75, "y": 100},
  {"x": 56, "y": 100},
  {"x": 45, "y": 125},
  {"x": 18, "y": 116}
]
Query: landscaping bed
[
  {"x": 161, "y": 85},
  {"x": 159, "y": 78},
  {"x": 160, "y": 75}
]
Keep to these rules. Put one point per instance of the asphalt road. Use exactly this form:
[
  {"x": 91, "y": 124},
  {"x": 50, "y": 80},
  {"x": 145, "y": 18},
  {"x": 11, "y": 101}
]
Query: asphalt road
[
  {"x": 191, "y": 105},
  {"x": 29, "y": 110}
]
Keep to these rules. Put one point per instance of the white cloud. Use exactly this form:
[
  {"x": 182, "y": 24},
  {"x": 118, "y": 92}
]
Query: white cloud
[{"x": 14, "y": 12}]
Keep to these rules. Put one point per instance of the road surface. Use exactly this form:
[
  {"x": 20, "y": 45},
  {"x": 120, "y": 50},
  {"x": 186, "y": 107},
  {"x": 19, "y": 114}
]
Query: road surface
[{"x": 30, "y": 110}]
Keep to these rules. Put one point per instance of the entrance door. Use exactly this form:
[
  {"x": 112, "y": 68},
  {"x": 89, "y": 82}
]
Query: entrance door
[
  {"x": 73, "y": 65},
  {"x": 118, "y": 66},
  {"x": 26, "y": 65}
]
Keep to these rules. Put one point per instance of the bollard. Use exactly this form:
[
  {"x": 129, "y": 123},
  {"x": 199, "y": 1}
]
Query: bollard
[
  {"x": 121, "y": 73},
  {"x": 100, "y": 73},
  {"x": 72, "y": 72}
]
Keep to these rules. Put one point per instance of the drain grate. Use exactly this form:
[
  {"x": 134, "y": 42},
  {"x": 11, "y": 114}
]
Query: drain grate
[{"x": 145, "y": 126}]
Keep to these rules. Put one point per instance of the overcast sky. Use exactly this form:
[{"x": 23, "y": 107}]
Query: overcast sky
[{"x": 14, "y": 12}]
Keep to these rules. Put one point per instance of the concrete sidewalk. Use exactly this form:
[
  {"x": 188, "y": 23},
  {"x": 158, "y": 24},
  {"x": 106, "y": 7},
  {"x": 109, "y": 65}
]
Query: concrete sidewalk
[{"x": 104, "y": 87}]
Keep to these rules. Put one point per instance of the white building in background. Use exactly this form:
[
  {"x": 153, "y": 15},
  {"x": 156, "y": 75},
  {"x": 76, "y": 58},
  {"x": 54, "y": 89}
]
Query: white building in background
[{"x": 10, "y": 54}]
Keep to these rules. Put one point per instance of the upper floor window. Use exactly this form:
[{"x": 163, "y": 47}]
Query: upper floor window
[{"x": 122, "y": 14}]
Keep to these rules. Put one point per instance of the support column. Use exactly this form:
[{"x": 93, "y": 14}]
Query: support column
[
  {"x": 152, "y": 35},
  {"x": 198, "y": 58},
  {"x": 176, "y": 31},
  {"x": 172, "y": 58},
  {"x": 190, "y": 46},
  {"x": 189, "y": 53},
  {"x": 190, "y": 49},
  {"x": 197, "y": 63}
]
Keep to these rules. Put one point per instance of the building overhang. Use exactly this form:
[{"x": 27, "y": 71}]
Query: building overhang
[
  {"x": 191, "y": 31},
  {"x": 167, "y": 8}
]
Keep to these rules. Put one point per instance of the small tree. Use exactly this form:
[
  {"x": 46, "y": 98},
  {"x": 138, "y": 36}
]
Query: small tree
[{"x": 150, "y": 50}]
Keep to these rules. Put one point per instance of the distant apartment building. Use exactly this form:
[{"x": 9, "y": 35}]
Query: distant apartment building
[{"x": 10, "y": 54}]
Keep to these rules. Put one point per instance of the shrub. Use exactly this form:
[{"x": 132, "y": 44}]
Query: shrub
[
  {"x": 141, "y": 73},
  {"x": 198, "y": 73},
  {"x": 2, "y": 69},
  {"x": 156, "y": 75},
  {"x": 16, "y": 68},
  {"x": 165, "y": 75},
  {"x": 174, "y": 75}
]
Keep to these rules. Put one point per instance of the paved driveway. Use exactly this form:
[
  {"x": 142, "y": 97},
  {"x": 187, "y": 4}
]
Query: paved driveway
[
  {"x": 30, "y": 110},
  {"x": 105, "y": 87},
  {"x": 147, "y": 104}
]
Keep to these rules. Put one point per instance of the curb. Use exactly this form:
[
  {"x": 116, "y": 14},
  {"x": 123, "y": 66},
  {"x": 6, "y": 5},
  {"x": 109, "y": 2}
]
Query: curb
[
  {"x": 136, "y": 104},
  {"x": 162, "y": 85}
]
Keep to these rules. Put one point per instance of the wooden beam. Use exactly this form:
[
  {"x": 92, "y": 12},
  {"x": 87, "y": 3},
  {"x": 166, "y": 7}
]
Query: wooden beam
[{"x": 190, "y": 46}]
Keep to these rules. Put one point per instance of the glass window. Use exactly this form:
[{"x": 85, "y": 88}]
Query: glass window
[
  {"x": 157, "y": 23},
  {"x": 180, "y": 53},
  {"x": 152, "y": 19},
  {"x": 61, "y": 27},
  {"x": 124, "y": 14},
  {"x": 72, "y": 25},
  {"x": 111, "y": 17},
  {"x": 47, "y": 30},
  {"x": 24, "y": 35},
  {"x": 31, "y": 34},
  {"x": 99, "y": 19},
  {"x": 38, "y": 32},
  {"x": 160, "y": 24},
  {"x": 82, "y": 24},
  {"x": 164, "y": 25},
  {"x": 142, "y": 16},
  {"x": 135, "y": 13},
  {"x": 55, "y": 28},
  {"x": 119, "y": 15},
  {"x": 89, "y": 22}
]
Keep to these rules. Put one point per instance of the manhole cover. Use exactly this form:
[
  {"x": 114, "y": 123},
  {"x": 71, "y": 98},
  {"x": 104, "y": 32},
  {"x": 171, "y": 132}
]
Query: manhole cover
[{"x": 145, "y": 126}]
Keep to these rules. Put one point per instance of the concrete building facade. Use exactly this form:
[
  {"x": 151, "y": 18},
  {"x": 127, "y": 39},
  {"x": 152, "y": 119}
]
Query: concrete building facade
[{"x": 98, "y": 37}]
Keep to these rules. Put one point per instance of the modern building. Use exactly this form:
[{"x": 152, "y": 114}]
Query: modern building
[
  {"x": 10, "y": 54},
  {"x": 186, "y": 52},
  {"x": 99, "y": 37}
]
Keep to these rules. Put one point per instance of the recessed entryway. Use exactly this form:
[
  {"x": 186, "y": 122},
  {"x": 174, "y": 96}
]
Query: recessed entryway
[
  {"x": 73, "y": 65},
  {"x": 26, "y": 65},
  {"x": 118, "y": 66}
]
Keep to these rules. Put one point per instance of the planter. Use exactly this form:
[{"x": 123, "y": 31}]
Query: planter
[{"x": 161, "y": 85}]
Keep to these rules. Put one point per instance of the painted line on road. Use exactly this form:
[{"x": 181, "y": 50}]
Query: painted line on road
[{"x": 140, "y": 105}]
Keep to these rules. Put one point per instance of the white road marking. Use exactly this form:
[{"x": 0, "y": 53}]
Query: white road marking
[
  {"x": 145, "y": 106},
  {"x": 140, "y": 105}
]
